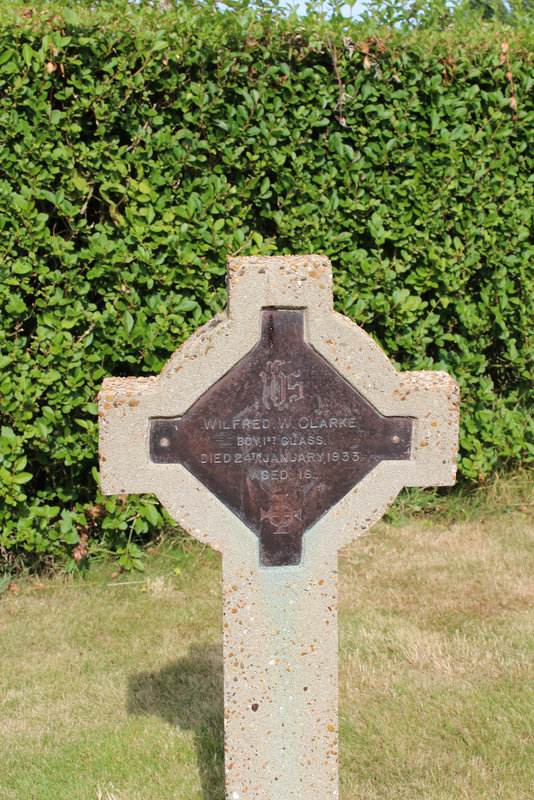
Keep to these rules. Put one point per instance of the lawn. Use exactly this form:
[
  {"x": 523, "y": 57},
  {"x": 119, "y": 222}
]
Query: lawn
[{"x": 111, "y": 687}]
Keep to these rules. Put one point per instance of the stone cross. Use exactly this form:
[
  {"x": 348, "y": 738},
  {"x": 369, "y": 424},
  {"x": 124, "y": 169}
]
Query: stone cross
[{"x": 276, "y": 434}]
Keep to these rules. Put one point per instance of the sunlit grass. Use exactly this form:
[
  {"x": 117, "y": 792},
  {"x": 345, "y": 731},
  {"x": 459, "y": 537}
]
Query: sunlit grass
[{"x": 111, "y": 689}]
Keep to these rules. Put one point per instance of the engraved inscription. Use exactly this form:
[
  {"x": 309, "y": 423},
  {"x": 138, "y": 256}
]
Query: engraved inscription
[{"x": 281, "y": 438}]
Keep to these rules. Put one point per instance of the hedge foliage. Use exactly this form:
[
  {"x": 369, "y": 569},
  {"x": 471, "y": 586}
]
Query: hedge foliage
[{"x": 142, "y": 148}]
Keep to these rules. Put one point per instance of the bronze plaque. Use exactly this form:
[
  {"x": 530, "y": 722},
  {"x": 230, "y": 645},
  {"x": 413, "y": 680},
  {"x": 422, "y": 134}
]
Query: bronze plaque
[{"x": 281, "y": 438}]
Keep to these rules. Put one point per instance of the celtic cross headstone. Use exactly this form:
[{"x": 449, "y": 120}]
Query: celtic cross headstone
[{"x": 278, "y": 433}]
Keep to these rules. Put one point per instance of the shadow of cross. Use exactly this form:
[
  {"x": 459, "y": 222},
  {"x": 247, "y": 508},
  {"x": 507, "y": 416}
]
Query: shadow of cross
[
  {"x": 281, "y": 438},
  {"x": 277, "y": 434},
  {"x": 188, "y": 695}
]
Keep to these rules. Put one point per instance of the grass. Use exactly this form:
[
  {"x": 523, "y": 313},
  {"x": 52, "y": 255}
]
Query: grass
[{"x": 111, "y": 689}]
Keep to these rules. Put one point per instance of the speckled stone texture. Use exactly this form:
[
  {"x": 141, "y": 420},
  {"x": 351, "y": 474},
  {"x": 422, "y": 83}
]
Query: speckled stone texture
[{"x": 280, "y": 623}]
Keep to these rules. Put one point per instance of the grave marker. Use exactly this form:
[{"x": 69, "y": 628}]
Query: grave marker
[{"x": 278, "y": 433}]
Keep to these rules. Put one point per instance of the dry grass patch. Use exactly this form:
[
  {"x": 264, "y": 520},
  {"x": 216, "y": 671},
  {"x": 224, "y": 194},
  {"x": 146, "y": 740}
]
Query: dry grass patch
[{"x": 437, "y": 675}]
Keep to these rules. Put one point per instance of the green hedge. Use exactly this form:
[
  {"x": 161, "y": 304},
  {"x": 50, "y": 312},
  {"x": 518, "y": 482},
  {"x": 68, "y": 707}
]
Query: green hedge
[{"x": 140, "y": 149}]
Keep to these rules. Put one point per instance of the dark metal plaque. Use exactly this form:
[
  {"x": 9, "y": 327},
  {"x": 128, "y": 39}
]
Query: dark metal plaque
[{"x": 281, "y": 438}]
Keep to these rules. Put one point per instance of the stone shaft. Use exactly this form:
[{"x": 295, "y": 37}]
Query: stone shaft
[{"x": 280, "y": 681}]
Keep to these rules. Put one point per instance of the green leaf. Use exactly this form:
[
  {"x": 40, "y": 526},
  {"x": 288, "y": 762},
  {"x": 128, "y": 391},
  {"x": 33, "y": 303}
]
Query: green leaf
[
  {"x": 22, "y": 477},
  {"x": 185, "y": 304},
  {"x": 80, "y": 183},
  {"x": 128, "y": 321},
  {"x": 70, "y": 16},
  {"x": 151, "y": 514},
  {"x": 27, "y": 54}
]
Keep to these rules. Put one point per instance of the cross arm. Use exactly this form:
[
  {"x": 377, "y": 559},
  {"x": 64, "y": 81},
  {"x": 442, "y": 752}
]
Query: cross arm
[
  {"x": 123, "y": 435},
  {"x": 433, "y": 399}
]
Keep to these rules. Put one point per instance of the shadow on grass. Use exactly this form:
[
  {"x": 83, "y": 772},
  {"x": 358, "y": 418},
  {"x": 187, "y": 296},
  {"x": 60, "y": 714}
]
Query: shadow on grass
[{"x": 189, "y": 694}]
